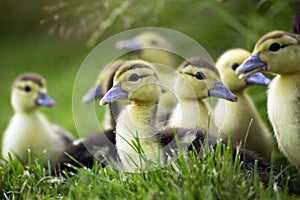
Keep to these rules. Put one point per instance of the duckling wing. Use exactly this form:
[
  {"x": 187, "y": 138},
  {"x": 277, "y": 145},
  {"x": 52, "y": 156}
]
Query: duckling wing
[
  {"x": 189, "y": 139},
  {"x": 66, "y": 136},
  {"x": 84, "y": 152},
  {"x": 175, "y": 140}
]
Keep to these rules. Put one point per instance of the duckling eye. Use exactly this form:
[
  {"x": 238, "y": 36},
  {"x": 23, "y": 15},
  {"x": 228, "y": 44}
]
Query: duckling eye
[
  {"x": 200, "y": 76},
  {"x": 274, "y": 47},
  {"x": 234, "y": 66},
  {"x": 133, "y": 77},
  {"x": 27, "y": 88},
  {"x": 153, "y": 42}
]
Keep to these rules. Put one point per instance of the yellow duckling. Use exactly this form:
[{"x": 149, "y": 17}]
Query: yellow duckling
[
  {"x": 198, "y": 80},
  {"x": 28, "y": 128},
  {"x": 235, "y": 118},
  {"x": 278, "y": 52}
]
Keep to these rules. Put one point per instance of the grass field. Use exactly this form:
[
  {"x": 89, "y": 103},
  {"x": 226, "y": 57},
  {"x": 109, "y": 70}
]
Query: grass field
[{"x": 58, "y": 59}]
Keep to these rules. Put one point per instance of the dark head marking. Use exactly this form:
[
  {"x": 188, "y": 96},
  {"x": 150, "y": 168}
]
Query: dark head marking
[
  {"x": 200, "y": 63},
  {"x": 112, "y": 69},
  {"x": 275, "y": 35},
  {"x": 130, "y": 65},
  {"x": 36, "y": 78}
]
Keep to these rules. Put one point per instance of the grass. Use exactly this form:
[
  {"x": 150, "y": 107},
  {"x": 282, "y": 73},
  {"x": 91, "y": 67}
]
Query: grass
[{"x": 216, "y": 176}]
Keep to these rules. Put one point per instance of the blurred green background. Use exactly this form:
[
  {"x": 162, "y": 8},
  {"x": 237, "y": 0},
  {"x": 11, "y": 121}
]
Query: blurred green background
[{"x": 53, "y": 37}]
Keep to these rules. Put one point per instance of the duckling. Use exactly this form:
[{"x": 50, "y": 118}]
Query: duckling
[
  {"x": 198, "y": 80},
  {"x": 235, "y": 118},
  {"x": 28, "y": 128},
  {"x": 139, "y": 134},
  {"x": 277, "y": 52}
]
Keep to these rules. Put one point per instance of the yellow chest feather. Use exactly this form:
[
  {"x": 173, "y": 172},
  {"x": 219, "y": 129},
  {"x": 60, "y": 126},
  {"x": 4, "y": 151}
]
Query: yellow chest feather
[
  {"x": 135, "y": 141},
  {"x": 284, "y": 114},
  {"x": 31, "y": 132}
]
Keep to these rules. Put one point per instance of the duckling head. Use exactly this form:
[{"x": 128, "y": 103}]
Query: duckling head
[
  {"x": 29, "y": 92},
  {"x": 229, "y": 62},
  {"x": 136, "y": 81},
  {"x": 276, "y": 52},
  {"x": 103, "y": 83},
  {"x": 203, "y": 78},
  {"x": 150, "y": 46}
]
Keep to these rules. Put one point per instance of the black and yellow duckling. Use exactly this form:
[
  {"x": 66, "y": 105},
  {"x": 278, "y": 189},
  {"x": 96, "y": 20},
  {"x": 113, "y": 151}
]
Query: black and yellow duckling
[
  {"x": 278, "y": 52},
  {"x": 235, "y": 118},
  {"x": 83, "y": 152},
  {"x": 198, "y": 80},
  {"x": 140, "y": 137},
  {"x": 28, "y": 128}
]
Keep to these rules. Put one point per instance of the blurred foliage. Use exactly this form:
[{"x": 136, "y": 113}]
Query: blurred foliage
[{"x": 217, "y": 25}]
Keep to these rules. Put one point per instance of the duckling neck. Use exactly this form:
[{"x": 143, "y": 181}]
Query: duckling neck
[
  {"x": 25, "y": 111},
  {"x": 191, "y": 113},
  {"x": 138, "y": 120},
  {"x": 136, "y": 128},
  {"x": 143, "y": 115}
]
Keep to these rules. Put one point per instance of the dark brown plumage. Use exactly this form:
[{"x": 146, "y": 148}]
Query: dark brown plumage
[
  {"x": 36, "y": 78},
  {"x": 295, "y": 29},
  {"x": 84, "y": 152}
]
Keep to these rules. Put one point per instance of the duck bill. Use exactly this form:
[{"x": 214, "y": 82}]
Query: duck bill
[
  {"x": 129, "y": 45},
  {"x": 250, "y": 66},
  {"x": 220, "y": 91},
  {"x": 94, "y": 93},
  {"x": 45, "y": 100},
  {"x": 115, "y": 93},
  {"x": 257, "y": 79}
]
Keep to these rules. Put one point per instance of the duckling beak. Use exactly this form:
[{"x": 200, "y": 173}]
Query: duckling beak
[
  {"x": 163, "y": 89},
  {"x": 94, "y": 93},
  {"x": 115, "y": 93},
  {"x": 129, "y": 45},
  {"x": 220, "y": 91},
  {"x": 250, "y": 66},
  {"x": 257, "y": 79},
  {"x": 45, "y": 100}
]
